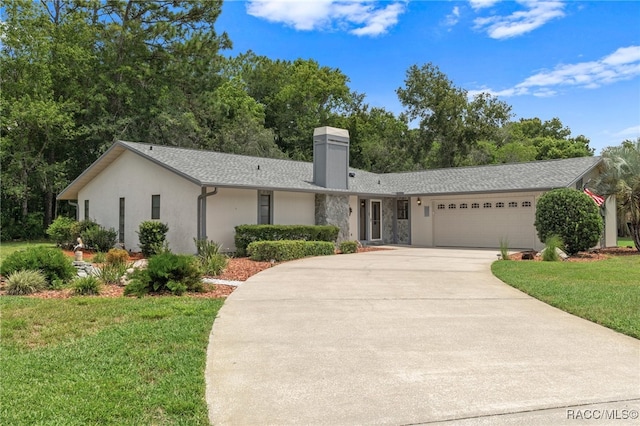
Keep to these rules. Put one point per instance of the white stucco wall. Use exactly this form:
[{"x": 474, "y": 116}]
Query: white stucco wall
[
  {"x": 294, "y": 208},
  {"x": 421, "y": 225},
  {"x": 353, "y": 217},
  {"x": 231, "y": 207},
  {"x": 137, "y": 179},
  {"x": 228, "y": 208}
]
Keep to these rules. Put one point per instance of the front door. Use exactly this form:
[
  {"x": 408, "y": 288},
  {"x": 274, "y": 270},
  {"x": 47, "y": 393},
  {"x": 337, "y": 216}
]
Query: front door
[
  {"x": 376, "y": 220},
  {"x": 363, "y": 221}
]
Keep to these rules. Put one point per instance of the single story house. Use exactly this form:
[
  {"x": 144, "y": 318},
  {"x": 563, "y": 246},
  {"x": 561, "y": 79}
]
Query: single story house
[{"x": 204, "y": 194}]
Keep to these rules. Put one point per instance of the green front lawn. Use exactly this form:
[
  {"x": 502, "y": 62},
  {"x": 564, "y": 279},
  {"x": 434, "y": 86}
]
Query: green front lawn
[
  {"x": 625, "y": 242},
  {"x": 6, "y": 248},
  {"x": 93, "y": 360},
  {"x": 606, "y": 292}
]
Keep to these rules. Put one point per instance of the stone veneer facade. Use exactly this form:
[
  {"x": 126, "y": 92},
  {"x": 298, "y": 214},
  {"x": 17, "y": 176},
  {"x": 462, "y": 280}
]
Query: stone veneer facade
[
  {"x": 394, "y": 230},
  {"x": 333, "y": 210}
]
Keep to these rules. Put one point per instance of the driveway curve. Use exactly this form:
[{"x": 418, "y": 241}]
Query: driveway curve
[{"x": 410, "y": 336}]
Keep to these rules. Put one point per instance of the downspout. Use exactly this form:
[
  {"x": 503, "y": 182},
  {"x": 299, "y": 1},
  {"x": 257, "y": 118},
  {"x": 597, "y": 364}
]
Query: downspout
[
  {"x": 202, "y": 212},
  {"x": 75, "y": 204}
]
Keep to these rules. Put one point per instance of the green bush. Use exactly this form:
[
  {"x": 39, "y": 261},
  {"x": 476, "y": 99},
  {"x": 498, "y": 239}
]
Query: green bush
[
  {"x": 25, "y": 282},
  {"x": 166, "y": 272},
  {"x": 570, "y": 214},
  {"x": 62, "y": 231},
  {"x": 86, "y": 286},
  {"x": 110, "y": 273},
  {"x": 99, "y": 257},
  {"x": 52, "y": 262},
  {"x": 246, "y": 234},
  {"x": 117, "y": 257},
  {"x": 212, "y": 261},
  {"x": 347, "y": 247},
  {"x": 550, "y": 254},
  {"x": 288, "y": 249},
  {"x": 152, "y": 236},
  {"x": 99, "y": 238}
]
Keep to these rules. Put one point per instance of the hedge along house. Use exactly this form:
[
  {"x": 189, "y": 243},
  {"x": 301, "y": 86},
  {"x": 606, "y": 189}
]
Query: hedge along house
[{"x": 204, "y": 194}]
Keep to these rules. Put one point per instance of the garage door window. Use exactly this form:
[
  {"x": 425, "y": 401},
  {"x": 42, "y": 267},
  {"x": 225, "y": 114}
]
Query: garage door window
[
  {"x": 499, "y": 205},
  {"x": 463, "y": 205},
  {"x": 440, "y": 206},
  {"x": 487, "y": 205},
  {"x": 452, "y": 206},
  {"x": 513, "y": 204},
  {"x": 475, "y": 205},
  {"x": 526, "y": 204}
]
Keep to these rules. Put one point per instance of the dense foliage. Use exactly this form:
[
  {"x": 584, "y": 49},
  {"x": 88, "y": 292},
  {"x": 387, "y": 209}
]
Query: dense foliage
[
  {"x": 246, "y": 234},
  {"x": 570, "y": 215},
  {"x": 52, "y": 262},
  {"x": 347, "y": 247},
  {"x": 620, "y": 176},
  {"x": 283, "y": 250},
  {"x": 153, "y": 72},
  {"x": 166, "y": 272},
  {"x": 25, "y": 282},
  {"x": 152, "y": 236}
]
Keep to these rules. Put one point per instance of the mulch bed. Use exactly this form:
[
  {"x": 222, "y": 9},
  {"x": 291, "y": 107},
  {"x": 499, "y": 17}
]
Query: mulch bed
[
  {"x": 238, "y": 269},
  {"x": 588, "y": 256}
]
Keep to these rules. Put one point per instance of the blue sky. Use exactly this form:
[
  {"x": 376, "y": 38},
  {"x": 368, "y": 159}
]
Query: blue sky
[{"x": 575, "y": 60}]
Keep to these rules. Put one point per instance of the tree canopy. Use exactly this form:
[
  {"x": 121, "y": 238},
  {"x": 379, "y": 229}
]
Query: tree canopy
[{"x": 79, "y": 74}]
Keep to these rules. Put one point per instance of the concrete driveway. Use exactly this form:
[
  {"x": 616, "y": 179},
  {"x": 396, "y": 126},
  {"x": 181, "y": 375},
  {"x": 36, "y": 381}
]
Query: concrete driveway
[{"x": 410, "y": 336}]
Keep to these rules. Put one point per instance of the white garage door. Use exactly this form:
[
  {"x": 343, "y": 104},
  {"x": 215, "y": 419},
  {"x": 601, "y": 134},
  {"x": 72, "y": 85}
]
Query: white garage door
[{"x": 484, "y": 222}]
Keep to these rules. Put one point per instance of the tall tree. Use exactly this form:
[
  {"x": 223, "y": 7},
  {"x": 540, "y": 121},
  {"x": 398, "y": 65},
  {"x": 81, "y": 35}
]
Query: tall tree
[
  {"x": 620, "y": 176},
  {"x": 450, "y": 124},
  {"x": 298, "y": 96},
  {"x": 78, "y": 74}
]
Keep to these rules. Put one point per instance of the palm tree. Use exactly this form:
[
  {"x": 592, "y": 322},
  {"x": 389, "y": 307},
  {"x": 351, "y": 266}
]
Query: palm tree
[{"x": 620, "y": 176}]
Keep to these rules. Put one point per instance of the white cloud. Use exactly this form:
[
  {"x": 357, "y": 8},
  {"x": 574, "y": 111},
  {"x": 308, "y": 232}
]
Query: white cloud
[
  {"x": 481, "y": 4},
  {"x": 623, "y": 64},
  {"x": 629, "y": 132},
  {"x": 535, "y": 15},
  {"x": 359, "y": 17},
  {"x": 453, "y": 17}
]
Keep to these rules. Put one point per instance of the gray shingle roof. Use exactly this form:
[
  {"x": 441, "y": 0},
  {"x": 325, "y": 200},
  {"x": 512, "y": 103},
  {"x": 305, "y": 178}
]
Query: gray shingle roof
[
  {"x": 537, "y": 175},
  {"x": 229, "y": 170}
]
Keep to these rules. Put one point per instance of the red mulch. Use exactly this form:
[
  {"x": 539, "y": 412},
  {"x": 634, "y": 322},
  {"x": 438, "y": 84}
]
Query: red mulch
[{"x": 238, "y": 269}]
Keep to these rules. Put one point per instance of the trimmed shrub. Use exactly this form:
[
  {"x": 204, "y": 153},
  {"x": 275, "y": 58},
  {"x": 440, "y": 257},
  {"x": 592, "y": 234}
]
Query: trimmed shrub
[
  {"x": 52, "y": 262},
  {"x": 25, "y": 282},
  {"x": 117, "y": 257},
  {"x": 86, "y": 286},
  {"x": 570, "y": 214},
  {"x": 99, "y": 238},
  {"x": 152, "y": 236},
  {"x": 62, "y": 231},
  {"x": 166, "y": 272},
  {"x": 246, "y": 234},
  {"x": 288, "y": 249},
  {"x": 347, "y": 247}
]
